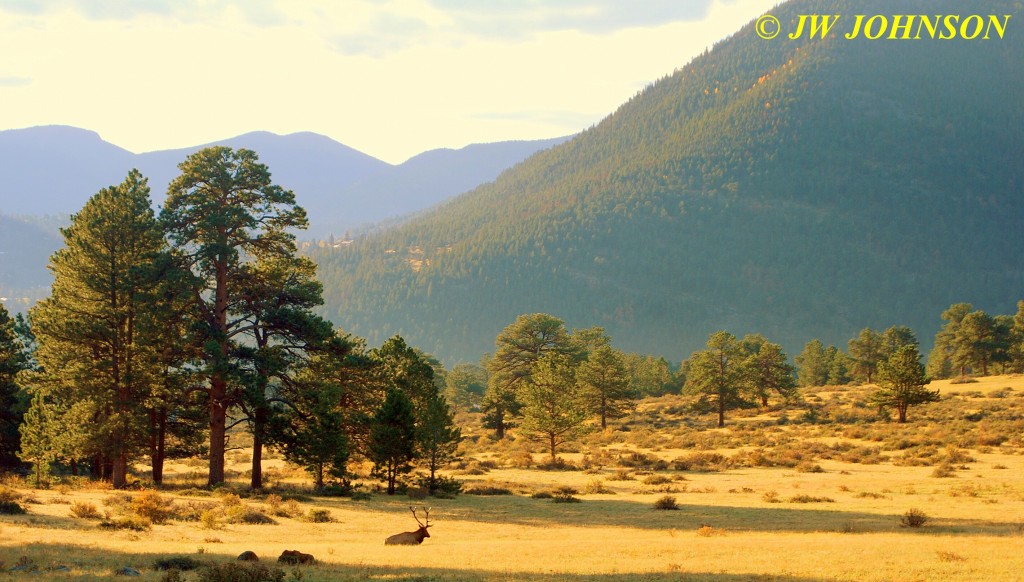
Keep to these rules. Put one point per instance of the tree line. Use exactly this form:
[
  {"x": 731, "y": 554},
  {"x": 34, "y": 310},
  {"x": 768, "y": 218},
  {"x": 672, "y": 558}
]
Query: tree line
[{"x": 162, "y": 333}]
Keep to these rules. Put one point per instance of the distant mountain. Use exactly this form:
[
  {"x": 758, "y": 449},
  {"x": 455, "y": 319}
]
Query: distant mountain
[
  {"x": 420, "y": 182},
  {"x": 55, "y": 169},
  {"x": 25, "y": 248},
  {"x": 799, "y": 189}
]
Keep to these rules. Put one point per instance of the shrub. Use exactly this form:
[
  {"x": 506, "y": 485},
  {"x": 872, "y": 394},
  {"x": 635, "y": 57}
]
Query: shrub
[
  {"x": 565, "y": 495},
  {"x": 706, "y": 531},
  {"x": 237, "y": 572},
  {"x": 211, "y": 518},
  {"x": 914, "y": 518},
  {"x": 249, "y": 515},
  {"x": 667, "y": 502},
  {"x": 488, "y": 490},
  {"x": 944, "y": 470},
  {"x": 319, "y": 516},
  {"x": 596, "y": 487},
  {"x": 132, "y": 522},
  {"x": 11, "y": 508},
  {"x": 657, "y": 480},
  {"x": 152, "y": 506},
  {"x": 84, "y": 510},
  {"x": 810, "y": 499},
  {"x": 542, "y": 495},
  {"x": 809, "y": 467},
  {"x": 771, "y": 497},
  {"x": 182, "y": 563}
]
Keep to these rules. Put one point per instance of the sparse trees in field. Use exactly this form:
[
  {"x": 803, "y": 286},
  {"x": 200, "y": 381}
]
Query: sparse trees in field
[
  {"x": 970, "y": 340},
  {"x": 901, "y": 381},
  {"x": 221, "y": 212},
  {"x": 437, "y": 438},
  {"x": 866, "y": 352}
]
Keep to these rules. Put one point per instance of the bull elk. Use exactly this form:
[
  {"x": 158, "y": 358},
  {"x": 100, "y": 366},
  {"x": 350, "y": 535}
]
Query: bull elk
[{"x": 411, "y": 538}]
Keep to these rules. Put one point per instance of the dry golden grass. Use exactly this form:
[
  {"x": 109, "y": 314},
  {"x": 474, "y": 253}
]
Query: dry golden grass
[{"x": 739, "y": 523}]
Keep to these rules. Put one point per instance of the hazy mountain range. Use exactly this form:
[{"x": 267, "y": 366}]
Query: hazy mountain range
[{"x": 52, "y": 171}]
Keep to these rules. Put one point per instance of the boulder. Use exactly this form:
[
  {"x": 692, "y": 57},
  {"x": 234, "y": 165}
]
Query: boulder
[{"x": 248, "y": 556}]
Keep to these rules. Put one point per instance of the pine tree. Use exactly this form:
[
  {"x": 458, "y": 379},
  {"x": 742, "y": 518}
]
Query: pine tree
[
  {"x": 221, "y": 212},
  {"x": 717, "y": 375},
  {"x": 392, "y": 446},
  {"x": 554, "y": 406},
  {"x": 866, "y": 351},
  {"x": 437, "y": 438},
  {"x": 902, "y": 381},
  {"x": 38, "y": 439},
  {"x": 91, "y": 333},
  {"x": 605, "y": 382},
  {"x": 517, "y": 348},
  {"x": 13, "y": 360},
  {"x": 767, "y": 370}
]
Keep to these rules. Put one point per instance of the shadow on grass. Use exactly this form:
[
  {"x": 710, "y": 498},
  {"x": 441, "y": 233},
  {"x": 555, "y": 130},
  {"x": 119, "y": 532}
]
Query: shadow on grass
[
  {"x": 71, "y": 562},
  {"x": 781, "y": 517}
]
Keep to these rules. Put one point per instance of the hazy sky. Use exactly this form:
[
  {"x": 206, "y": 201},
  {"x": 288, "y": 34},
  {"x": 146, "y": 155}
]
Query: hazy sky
[{"x": 389, "y": 78}]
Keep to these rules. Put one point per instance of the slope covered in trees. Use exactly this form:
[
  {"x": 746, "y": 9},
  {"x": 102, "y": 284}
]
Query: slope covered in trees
[{"x": 796, "y": 189}]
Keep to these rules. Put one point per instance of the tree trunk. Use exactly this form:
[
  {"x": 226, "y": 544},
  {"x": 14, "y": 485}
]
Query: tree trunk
[
  {"x": 218, "y": 432},
  {"x": 119, "y": 471},
  {"x": 551, "y": 443},
  {"x": 158, "y": 443},
  {"x": 259, "y": 426},
  {"x": 499, "y": 429},
  {"x": 721, "y": 412}
]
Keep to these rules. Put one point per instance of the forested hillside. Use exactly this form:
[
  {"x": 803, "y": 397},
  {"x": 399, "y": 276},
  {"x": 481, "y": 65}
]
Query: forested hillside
[{"x": 797, "y": 189}]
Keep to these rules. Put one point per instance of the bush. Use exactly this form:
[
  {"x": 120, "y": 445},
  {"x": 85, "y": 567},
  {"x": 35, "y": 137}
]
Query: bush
[
  {"x": 667, "y": 502},
  {"x": 152, "y": 506},
  {"x": 914, "y": 518},
  {"x": 542, "y": 495},
  {"x": 182, "y": 563},
  {"x": 319, "y": 516},
  {"x": 810, "y": 499},
  {"x": 565, "y": 495},
  {"x": 488, "y": 490},
  {"x": 84, "y": 510},
  {"x": 249, "y": 515},
  {"x": 236, "y": 572},
  {"x": 771, "y": 497},
  {"x": 11, "y": 508},
  {"x": 133, "y": 523}
]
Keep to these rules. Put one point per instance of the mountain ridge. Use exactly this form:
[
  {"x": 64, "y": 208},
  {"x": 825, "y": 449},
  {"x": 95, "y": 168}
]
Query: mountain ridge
[{"x": 796, "y": 189}]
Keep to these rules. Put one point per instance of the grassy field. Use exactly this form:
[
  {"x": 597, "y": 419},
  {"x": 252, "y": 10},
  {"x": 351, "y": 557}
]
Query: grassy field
[{"x": 798, "y": 494}]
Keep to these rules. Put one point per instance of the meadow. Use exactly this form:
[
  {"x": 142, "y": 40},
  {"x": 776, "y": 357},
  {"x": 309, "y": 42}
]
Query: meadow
[{"x": 821, "y": 491}]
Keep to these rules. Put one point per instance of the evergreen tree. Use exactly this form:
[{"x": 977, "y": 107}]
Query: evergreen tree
[
  {"x": 517, "y": 348},
  {"x": 277, "y": 295},
  {"x": 1017, "y": 339},
  {"x": 767, "y": 370},
  {"x": 947, "y": 339},
  {"x": 13, "y": 359},
  {"x": 901, "y": 381},
  {"x": 392, "y": 445},
  {"x": 554, "y": 406},
  {"x": 465, "y": 385},
  {"x": 605, "y": 383},
  {"x": 437, "y": 438},
  {"x": 221, "y": 212},
  {"x": 38, "y": 439},
  {"x": 92, "y": 336},
  {"x": 866, "y": 352},
  {"x": 717, "y": 375},
  {"x": 895, "y": 338}
]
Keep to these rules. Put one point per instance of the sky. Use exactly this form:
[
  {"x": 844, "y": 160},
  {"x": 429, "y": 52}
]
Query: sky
[{"x": 390, "y": 78}]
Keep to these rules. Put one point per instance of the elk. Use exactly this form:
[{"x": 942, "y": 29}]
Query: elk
[{"x": 411, "y": 538}]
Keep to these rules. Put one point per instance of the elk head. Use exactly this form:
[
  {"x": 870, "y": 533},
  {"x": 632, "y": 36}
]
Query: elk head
[{"x": 411, "y": 538}]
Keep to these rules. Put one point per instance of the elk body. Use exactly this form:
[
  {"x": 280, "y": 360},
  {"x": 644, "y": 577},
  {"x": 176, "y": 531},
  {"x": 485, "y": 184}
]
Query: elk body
[{"x": 412, "y": 538}]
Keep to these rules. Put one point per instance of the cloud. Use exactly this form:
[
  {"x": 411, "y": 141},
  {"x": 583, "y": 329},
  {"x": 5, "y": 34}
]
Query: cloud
[
  {"x": 14, "y": 82},
  {"x": 256, "y": 12},
  {"x": 518, "y": 18}
]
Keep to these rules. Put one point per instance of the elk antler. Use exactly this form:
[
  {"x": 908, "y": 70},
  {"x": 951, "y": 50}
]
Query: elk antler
[
  {"x": 414, "y": 516},
  {"x": 426, "y": 516}
]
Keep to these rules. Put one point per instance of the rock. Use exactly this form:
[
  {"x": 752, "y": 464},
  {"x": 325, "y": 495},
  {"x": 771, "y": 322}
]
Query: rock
[
  {"x": 296, "y": 557},
  {"x": 128, "y": 571},
  {"x": 248, "y": 556}
]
